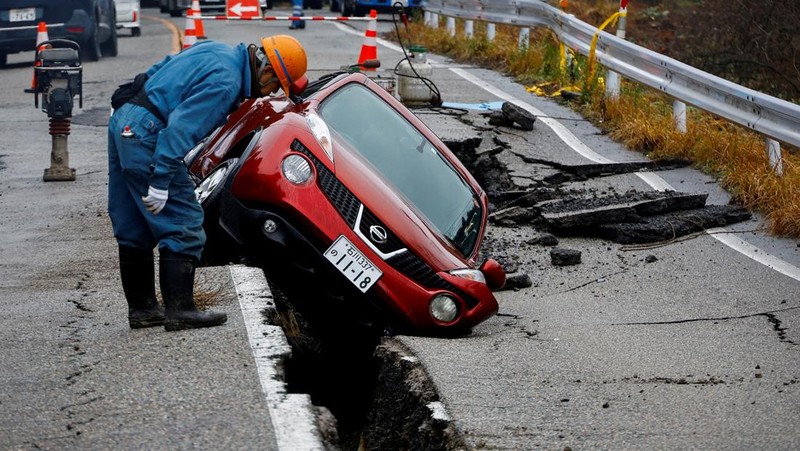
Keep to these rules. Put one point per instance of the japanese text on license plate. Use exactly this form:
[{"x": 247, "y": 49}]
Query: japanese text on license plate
[
  {"x": 20, "y": 15},
  {"x": 353, "y": 264}
]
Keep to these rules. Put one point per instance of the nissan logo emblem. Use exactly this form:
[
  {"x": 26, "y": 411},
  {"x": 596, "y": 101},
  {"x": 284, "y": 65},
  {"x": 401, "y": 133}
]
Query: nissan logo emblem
[{"x": 377, "y": 234}]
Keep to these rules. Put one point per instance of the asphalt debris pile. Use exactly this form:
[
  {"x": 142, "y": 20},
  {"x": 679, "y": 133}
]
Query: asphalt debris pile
[
  {"x": 556, "y": 203},
  {"x": 631, "y": 218}
]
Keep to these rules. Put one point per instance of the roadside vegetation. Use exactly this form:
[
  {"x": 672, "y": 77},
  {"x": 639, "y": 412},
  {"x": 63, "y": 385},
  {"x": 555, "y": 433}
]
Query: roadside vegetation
[{"x": 641, "y": 118}]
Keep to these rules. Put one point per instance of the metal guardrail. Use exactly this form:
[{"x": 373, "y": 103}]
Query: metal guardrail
[{"x": 770, "y": 116}]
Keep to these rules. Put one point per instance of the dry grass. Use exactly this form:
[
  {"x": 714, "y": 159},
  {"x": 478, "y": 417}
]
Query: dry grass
[{"x": 640, "y": 118}]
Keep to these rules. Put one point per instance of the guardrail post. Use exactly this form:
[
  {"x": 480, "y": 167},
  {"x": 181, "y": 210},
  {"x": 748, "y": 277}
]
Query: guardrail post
[
  {"x": 679, "y": 115},
  {"x": 524, "y": 37},
  {"x": 612, "y": 78},
  {"x": 469, "y": 29},
  {"x": 451, "y": 26},
  {"x": 490, "y": 31},
  {"x": 427, "y": 18},
  {"x": 775, "y": 159},
  {"x": 434, "y": 20}
]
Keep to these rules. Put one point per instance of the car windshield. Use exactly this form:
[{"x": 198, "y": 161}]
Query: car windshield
[{"x": 407, "y": 160}]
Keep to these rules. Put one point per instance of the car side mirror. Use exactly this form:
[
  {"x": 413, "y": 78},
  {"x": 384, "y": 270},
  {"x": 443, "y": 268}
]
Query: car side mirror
[{"x": 494, "y": 273}]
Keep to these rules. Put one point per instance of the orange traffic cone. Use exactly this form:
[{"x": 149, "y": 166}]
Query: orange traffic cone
[
  {"x": 41, "y": 36},
  {"x": 369, "y": 50},
  {"x": 190, "y": 35},
  {"x": 200, "y": 32}
]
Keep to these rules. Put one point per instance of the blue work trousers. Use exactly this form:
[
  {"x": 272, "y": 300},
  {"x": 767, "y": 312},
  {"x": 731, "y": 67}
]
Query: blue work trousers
[{"x": 179, "y": 226}]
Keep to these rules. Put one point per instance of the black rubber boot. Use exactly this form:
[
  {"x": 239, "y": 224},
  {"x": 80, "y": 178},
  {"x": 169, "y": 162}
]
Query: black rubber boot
[
  {"x": 137, "y": 270},
  {"x": 177, "y": 288}
]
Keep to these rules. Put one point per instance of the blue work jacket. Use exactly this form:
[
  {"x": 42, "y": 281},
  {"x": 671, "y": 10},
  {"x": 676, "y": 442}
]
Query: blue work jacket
[{"x": 195, "y": 90}]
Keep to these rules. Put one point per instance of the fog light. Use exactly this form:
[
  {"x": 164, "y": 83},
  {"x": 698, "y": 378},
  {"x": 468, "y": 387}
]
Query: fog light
[
  {"x": 444, "y": 308},
  {"x": 296, "y": 169},
  {"x": 270, "y": 226}
]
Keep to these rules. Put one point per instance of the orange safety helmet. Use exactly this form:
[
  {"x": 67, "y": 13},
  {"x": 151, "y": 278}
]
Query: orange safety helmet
[{"x": 287, "y": 58}]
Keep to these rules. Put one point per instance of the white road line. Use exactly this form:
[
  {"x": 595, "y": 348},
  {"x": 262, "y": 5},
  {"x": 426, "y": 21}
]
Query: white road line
[
  {"x": 734, "y": 242},
  {"x": 722, "y": 235},
  {"x": 292, "y": 419}
]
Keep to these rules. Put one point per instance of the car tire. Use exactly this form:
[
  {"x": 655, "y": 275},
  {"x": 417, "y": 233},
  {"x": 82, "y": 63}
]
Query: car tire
[
  {"x": 111, "y": 46},
  {"x": 347, "y": 7},
  {"x": 136, "y": 31},
  {"x": 174, "y": 11},
  {"x": 314, "y": 4},
  {"x": 3, "y": 59},
  {"x": 209, "y": 189},
  {"x": 335, "y": 8},
  {"x": 218, "y": 246},
  {"x": 91, "y": 48}
]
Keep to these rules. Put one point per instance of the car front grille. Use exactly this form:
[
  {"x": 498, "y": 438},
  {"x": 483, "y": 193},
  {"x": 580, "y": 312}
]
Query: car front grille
[
  {"x": 390, "y": 244},
  {"x": 348, "y": 205}
]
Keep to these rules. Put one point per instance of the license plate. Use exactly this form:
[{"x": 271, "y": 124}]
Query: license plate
[
  {"x": 353, "y": 264},
  {"x": 22, "y": 15}
]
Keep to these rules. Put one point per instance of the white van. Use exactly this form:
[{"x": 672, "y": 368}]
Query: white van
[{"x": 129, "y": 15}]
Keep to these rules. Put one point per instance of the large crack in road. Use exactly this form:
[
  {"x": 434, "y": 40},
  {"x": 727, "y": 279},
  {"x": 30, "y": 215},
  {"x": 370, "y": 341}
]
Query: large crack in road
[{"x": 377, "y": 390}]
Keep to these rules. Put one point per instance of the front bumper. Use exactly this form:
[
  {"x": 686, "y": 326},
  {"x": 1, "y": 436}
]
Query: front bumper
[
  {"x": 401, "y": 297},
  {"x": 128, "y": 18}
]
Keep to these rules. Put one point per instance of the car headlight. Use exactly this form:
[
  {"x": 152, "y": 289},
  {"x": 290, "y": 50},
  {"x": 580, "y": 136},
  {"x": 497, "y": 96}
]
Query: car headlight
[
  {"x": 296, "y": 169},
  {"x": 443, "y": 308},
  {"x": 321, "y": 132},
  {"x": 470, "y": 274}
]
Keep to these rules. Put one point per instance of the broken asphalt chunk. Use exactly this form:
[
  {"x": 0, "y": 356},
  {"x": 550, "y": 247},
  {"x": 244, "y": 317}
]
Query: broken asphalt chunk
[
  {"x": 512, "y": 216},
  {"x": 565, "y": 257},
  {"x": 673, "y": 225},
  {"x": 517, "y": 282},
  {"x": 545, "y": 239},
  {"x": 518, "y": 115},
  {"x": 577, "y": 212},
  {"x": 497, "y": 118}
]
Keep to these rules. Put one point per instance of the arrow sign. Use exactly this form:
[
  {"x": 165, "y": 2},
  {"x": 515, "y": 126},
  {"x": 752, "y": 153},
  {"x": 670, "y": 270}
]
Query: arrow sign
[{"x": 242, "y": 8}]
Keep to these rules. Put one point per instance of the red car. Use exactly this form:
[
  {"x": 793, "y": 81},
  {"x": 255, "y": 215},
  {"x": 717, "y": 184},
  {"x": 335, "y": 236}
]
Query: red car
[{"x": 343, "y": 189}]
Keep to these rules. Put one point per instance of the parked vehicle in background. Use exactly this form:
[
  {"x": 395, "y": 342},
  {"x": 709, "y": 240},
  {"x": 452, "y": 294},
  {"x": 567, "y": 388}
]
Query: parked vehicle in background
[
  {"x": 177, "y": 8},
  {"x": 90, "y": 23},
  {"x": 128, "y": 16},
  {"x": 361, "y": 7},
  {"x": 345, "y": 192},
  {"x": 312, "y": 4}
]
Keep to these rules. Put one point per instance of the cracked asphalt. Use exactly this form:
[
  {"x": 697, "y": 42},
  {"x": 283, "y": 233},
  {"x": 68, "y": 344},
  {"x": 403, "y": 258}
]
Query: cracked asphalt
[
  {"x": 683, "y": 344},
  {"x": 680, "y": 345}
]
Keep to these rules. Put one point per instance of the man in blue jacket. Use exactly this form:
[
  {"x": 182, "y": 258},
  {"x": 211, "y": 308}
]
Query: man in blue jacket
[{"x": 151, "y": 199}]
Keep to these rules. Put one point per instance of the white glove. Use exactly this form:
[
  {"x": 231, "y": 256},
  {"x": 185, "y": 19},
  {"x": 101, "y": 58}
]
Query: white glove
[{"x": 155, "y": 200}]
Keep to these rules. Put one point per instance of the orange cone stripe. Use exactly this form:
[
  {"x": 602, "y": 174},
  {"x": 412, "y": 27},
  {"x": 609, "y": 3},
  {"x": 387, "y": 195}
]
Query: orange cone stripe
[
  {"x": 41, "y": 36},
  {"x": 369, "y": 49}
]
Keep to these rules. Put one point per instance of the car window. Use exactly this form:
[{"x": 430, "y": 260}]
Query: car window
[{"x": 407, "y": 161}]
